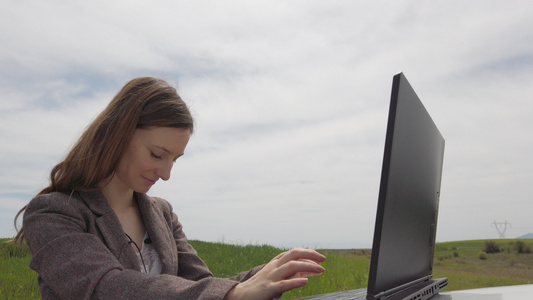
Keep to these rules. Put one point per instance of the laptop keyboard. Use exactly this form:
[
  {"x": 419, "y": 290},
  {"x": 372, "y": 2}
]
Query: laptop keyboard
[{"x": 359, "y": 294}]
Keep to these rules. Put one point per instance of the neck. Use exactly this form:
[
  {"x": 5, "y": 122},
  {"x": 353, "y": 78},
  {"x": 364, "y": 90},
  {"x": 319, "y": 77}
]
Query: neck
[{"x": 119, "y": 198}]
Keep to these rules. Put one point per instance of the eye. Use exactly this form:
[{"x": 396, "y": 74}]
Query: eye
[{"x": 156, "y": 156}]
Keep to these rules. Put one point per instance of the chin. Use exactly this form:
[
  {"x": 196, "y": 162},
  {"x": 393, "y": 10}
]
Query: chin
[{"x": 142, "y": 190}]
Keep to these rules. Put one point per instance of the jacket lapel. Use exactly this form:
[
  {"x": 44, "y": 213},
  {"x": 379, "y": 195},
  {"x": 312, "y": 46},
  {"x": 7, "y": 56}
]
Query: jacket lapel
[
  {"x": 160, "y": 232},
  {"x": 110, "y": 229}
]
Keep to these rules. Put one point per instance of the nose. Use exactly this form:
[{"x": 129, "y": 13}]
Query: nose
[{"x": 163, "y": 172}]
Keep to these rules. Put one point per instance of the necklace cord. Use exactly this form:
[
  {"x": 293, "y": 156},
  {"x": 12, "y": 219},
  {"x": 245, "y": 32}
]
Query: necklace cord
[{"x": 138, "y": 249}]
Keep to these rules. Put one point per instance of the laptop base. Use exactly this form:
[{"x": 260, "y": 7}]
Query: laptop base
[{"x": 358, "y": 294}]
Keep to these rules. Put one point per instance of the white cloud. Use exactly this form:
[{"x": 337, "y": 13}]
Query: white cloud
[{"x": 291, "y": 100}]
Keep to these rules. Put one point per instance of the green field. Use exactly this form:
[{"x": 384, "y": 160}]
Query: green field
[{"x": 345, "y": 269}]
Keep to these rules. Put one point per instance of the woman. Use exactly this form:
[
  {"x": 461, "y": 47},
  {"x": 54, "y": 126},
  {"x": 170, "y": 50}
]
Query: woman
[{"x": 95, "y": 234}]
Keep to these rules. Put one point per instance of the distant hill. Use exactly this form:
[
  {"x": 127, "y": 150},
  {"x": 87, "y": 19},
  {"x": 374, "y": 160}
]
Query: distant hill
[{"x": 526, "y": 236}]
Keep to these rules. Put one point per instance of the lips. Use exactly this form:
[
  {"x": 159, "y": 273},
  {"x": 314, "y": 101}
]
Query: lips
[{"x": 151, "y": 182}]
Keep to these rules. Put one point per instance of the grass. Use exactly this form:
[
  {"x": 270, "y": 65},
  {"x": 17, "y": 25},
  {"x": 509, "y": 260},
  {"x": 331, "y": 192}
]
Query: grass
[
  {"x": 467, "y": 271},
  {"x": 17, "y": 280},
  {"x": 345, "y": 269}
]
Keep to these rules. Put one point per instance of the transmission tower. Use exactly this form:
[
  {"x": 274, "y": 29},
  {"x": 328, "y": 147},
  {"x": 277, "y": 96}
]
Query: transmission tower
[{"x": 501, "y": 227}]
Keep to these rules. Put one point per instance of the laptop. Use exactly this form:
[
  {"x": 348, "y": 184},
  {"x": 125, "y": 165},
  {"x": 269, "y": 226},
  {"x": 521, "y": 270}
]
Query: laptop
[{"x": 406, "y": 221}]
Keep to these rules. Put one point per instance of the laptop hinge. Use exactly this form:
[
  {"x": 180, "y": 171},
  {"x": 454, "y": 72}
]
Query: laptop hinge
[{"x": 387, "y": 293}]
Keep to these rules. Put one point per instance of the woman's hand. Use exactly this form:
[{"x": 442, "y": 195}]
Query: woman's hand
[{"x": 285, "y": 272}]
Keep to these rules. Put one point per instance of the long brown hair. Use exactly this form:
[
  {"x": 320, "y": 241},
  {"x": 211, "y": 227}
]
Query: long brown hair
[{"x": 142, "y": 103}]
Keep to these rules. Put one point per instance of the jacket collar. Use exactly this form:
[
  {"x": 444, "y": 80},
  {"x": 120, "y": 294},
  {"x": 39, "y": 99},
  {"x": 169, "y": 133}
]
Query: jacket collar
[
  {"x": 157, "y": 224},
  {"x": 110, "y": 228},
  {"x": 159, "y": 228},
  {"x": 96, "y": 202}
]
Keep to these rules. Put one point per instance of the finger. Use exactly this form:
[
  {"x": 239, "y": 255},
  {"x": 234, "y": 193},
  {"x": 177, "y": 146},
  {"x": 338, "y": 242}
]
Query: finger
[
  {"x": 289, "y": 284},
  {"x": 300, "y": 254},
  {"x": 306, "y": 274},
  {"x": 308, "y": 260},
  {"x": 294, "y": 267}
]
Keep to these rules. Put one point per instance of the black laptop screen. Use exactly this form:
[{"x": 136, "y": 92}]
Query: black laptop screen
[{"x": 409, "y": 192}]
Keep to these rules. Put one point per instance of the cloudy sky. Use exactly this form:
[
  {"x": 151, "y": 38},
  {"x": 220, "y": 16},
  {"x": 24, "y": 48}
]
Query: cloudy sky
[{"x": 290, "y": 100}]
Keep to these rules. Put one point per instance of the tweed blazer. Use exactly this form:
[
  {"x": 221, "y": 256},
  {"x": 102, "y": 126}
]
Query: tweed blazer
[{"x": 80, "y": 251}]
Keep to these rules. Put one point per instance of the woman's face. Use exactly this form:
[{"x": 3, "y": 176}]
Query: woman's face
[{"x": 150, "y": 157}]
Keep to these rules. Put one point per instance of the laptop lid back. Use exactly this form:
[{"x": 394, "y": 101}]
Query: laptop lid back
[{"x": 406, "y": 218}]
